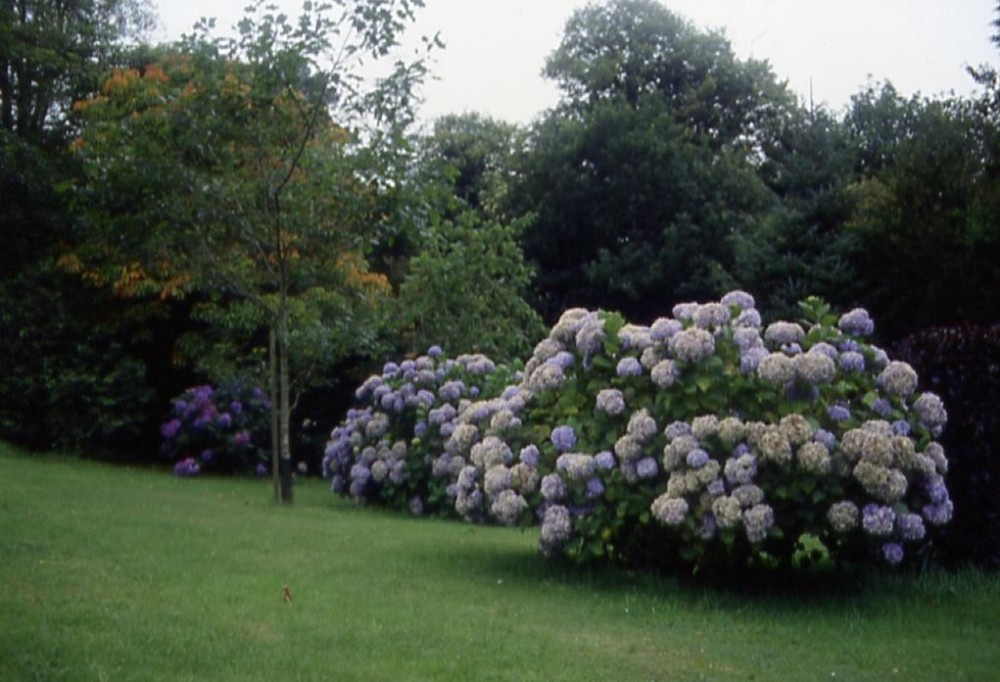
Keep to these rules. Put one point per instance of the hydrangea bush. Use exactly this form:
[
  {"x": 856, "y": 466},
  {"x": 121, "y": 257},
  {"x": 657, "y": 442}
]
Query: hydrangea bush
[
  {"x": 703, "y": 439},
  {"x": 393, "y": 449},
  {"x": 221, "y": 430}
]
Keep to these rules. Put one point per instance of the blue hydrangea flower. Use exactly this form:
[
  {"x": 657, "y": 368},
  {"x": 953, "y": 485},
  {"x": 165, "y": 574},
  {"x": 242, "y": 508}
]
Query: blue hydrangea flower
[
  {"x": 434, "y": 351},
  {"x": 563, "y": 438}
]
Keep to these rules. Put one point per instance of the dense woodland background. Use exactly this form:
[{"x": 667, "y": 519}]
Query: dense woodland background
[{"x": 195, "y": 212}]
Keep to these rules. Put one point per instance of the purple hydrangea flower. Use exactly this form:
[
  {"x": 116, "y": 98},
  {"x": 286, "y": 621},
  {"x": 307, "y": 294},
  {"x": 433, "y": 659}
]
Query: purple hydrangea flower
[
  {"x": 563, "y": 438},
  {"x": 187, "y": 467},
  {"x": 740, "y": 299},
  {"x": 856, "y": 322},
  {"x": 563, "y": 358},
  {"x": 451, "y": 391},
  {"x": 646, "y": 468},
  {"x": 936, "y": 490},
  {"x": 529, "y": 455},
  {"x": 434, "y": 351},
  {"x": 697, "y": 458},
  {"x": 882, "y": 407},
  {"x": 595, "y": 488},
  {"x": 170, "y": 429},
  {"x": 553, "y": 487},
  {"x": 938, "y": 514},
  {"x": 838, "y": 413},
  {"x": 750, "y": 359},
  {"x": 892, "y": 552},
  {"x": 826, "y": 438},
  {"x": 900, "y": 428},
  {"x": 604, "y": 460},
  {"x": 225, "y": 420},
  {"x": 878, "y": 520},
  {"x": 240, "y": 439},
  {"x": 851, "y": 361},
  {"x": 611, "y": 400},
  {"x": 629, "y": 367},
  {"x": 910, "y": 527},
  {"x": 677, "y": 429}
]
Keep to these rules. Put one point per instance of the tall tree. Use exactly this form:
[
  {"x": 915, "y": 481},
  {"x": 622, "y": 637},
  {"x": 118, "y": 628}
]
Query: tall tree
[
  {"x": 647, "y": 168},
  {"x": 265, "y": 161},
  {"x": 71, "y": 378},
  {"x": 929, "y": 238},
  {"x": 52, "y": 52}
]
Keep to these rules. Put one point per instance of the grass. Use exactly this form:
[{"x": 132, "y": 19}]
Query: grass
[{"x": 113, "y": 573}]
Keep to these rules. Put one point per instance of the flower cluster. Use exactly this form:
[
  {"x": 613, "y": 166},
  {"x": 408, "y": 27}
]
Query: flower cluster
[
  {"x": 221, "y": 429},
  {"x": 414, "y": 443},
  {"x": 705, "y": 435}
]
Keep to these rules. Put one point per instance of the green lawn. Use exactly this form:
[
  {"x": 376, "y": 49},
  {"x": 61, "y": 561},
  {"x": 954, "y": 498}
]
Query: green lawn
[{"x": 113, "y": 573}]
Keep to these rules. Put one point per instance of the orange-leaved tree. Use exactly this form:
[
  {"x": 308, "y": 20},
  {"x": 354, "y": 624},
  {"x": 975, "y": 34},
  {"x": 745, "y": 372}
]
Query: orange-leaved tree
[{"x": 252, "y": 173}]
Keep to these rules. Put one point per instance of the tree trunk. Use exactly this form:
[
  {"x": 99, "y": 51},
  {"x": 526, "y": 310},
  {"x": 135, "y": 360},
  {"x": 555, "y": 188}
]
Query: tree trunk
[
  {"x": 272, "y": 371},
  {"x": 284, "y": 409}
]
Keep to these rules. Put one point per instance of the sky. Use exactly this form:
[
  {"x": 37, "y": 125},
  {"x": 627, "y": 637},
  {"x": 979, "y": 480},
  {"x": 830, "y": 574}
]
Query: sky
[{"x": 827, "y": 50}]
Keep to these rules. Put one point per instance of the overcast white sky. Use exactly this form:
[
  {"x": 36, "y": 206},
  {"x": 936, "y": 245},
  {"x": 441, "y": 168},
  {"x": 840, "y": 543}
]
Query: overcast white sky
[{"x": 495, "y": 49}]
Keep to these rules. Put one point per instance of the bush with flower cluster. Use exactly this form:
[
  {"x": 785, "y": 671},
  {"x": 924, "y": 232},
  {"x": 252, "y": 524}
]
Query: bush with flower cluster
[
  {"x": 219, "y": 430},
  {"x": 704, "y": 439},
  {"x": 395, "y": 450}
]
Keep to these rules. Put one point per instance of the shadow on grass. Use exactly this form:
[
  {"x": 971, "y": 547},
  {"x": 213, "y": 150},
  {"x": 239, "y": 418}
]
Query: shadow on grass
[{"x": 776, "y": 591}]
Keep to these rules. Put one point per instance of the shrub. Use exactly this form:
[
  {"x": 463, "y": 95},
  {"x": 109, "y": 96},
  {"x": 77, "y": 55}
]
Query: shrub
[
  {"x": 392, "y": 450},
  {"x": 701, "y": 440},
  {"x": 962, "y": 364},
  {"x": 221, "y": 430}
]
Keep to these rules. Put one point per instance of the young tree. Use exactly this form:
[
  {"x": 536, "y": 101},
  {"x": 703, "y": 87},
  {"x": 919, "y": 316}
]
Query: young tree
[{"x": 253, "y": 171}]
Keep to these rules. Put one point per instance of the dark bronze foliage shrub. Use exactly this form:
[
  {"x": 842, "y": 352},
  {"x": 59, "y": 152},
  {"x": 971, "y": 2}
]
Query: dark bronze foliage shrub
[{"x": 962, "y": 365}]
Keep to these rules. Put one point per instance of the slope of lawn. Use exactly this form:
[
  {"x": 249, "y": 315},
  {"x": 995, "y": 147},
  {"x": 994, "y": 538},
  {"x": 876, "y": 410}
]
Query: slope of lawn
[{"x": 113, "y": 573}]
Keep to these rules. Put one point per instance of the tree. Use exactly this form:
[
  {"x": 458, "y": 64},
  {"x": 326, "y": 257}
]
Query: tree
[
  {"x": 52, "y": 54},
  {"x": 266, "y": 159},
  {"x": 929, "y": 241},
  {"x": 73, "y": 376},
  {"x": 801, "y": 246},
  {"x": 464, "y": 280},
  {"x": 465, "y": 291},
  {"x": 642, "y": 175}
]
